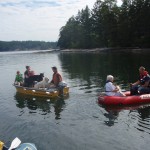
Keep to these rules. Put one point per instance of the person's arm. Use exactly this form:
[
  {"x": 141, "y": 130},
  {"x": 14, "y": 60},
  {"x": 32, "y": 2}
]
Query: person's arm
[
  {"x": 52, "y": 81},
  {"x": 136, "y": 83},
  {"x": 21, "y": 77},
  {"x": 59, "y": 78},
  {"x": 146, "y": 81},
  {"x": 116, "y": 89},
  {"x": 26, "y": 74}
]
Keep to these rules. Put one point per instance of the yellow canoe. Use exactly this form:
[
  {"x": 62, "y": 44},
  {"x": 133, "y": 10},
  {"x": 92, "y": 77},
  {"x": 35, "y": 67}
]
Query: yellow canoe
[{"x": 51, "y": 93}]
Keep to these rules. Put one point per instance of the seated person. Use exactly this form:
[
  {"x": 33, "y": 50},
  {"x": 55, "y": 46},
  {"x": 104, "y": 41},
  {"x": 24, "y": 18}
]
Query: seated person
[
  {"x": 56, "y": 79},
  {"x": 31, "y": 73},
  {"x": 142, "y": 85},
  {"x": 26, "y": 76},
  {"x": 18, "y": 79},
  {"x": 111, "y": 89}
]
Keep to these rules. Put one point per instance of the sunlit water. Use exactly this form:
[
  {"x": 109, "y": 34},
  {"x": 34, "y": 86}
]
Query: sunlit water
[{"x": 76, "y": 122}]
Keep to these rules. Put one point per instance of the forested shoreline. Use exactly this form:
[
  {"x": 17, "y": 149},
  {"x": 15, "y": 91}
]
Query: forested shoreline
[
  {"x": 108, "y": 25},
  {"x": 26, "y": 45}
]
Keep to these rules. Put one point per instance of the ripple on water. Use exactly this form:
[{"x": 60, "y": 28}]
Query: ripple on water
[
  {"x": 77, "y": 122},
  {"x": 140, "y": 119}
]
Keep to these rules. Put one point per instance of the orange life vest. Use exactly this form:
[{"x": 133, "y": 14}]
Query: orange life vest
[{"x": 56, "y": 78}]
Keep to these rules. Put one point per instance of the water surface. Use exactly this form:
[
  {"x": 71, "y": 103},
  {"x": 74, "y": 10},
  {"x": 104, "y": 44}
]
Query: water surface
[{"x": 76, "y": 122}]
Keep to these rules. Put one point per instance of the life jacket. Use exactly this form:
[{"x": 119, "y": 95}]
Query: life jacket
[
  {"x": 144, "y": 74},
  {"x": 56, "y": 78},
  {"x": 144, "y": 78}
]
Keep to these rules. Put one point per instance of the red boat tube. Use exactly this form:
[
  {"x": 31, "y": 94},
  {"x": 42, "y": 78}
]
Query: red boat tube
[{"x": 128, "y": 100}]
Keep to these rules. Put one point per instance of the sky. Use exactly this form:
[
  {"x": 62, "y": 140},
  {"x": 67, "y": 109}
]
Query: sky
[{"x": 37, "y": 20}]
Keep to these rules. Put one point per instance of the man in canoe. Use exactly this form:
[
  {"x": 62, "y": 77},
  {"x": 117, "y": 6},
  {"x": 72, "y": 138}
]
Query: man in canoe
[
  {"x": 142, "y": 85},
  {"x": 57, "y": 81},
  {"x": 111, "y": 89},
  {"x": 57, "y": 78}
]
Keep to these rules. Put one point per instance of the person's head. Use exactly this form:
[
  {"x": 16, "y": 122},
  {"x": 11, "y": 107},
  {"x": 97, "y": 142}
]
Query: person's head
[
  {"x": 54, "y": 68},
  {"x": 28, "y": 67},
  {"x": 110, "y": 78},
  {"x": 18, "y": 72},
  {"x": 141, "y": 70},
  {"x": 32, "y": 73}
]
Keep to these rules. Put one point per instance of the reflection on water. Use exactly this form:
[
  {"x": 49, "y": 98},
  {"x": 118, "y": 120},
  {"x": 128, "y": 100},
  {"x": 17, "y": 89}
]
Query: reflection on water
[
  {"x": 144, "y": 112},
  {"x": 137, "y": 113},
  {"x": 93, "y": 68},
  {"x": 112, "y": 116},
  {"x": 144, "y": 119},
  {"x": 59, "y": 105},
  {"x": 77, "y": 122},
  {"x": 41, "y": 104}
]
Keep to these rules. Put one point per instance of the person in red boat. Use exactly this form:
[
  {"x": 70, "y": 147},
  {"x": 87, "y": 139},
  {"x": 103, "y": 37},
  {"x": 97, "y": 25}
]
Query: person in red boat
[
  {"x": 142, "y": 85},
  {"x": 111, "y": 89}
]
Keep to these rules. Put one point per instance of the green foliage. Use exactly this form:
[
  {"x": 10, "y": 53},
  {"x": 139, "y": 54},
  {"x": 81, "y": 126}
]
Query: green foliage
[
  {"x": 26, "y": 45},
  {"x": 108, "y": 25},
  {"x": 77, "y": 31}
]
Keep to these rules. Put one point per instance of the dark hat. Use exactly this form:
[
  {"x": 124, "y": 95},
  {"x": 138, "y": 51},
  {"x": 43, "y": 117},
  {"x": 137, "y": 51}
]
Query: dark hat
[{"x": 54, "y": 67}]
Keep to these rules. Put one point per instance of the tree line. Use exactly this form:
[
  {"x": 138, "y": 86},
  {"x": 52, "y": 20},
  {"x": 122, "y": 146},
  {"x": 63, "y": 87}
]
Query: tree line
[
  {"x": 26, "y": 45},
  {"x": 108, "y": 25}
]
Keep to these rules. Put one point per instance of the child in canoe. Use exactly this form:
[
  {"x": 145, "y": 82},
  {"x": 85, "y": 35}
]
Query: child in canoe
[{"x": 18, "y": 79}]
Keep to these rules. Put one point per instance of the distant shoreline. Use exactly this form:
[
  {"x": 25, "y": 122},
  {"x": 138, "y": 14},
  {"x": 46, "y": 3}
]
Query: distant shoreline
[
  {"x": 99, "y": 50},
  {"x": 94, "y": 50},
  {"x": 33, "y": 50}
]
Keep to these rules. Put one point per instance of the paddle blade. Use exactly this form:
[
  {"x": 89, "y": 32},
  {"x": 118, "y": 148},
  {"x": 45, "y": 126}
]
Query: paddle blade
[{"x": 15, "y": 143}]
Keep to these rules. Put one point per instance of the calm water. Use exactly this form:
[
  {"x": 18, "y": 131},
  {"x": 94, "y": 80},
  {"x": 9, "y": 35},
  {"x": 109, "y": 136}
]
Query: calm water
[{"x": 76, "y": 122}]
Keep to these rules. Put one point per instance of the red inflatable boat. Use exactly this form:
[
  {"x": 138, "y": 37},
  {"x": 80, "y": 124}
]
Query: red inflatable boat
[{"x": 128, "y": 100}]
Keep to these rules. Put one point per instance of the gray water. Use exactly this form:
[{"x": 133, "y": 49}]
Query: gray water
[{"x": 76, "y": 122}]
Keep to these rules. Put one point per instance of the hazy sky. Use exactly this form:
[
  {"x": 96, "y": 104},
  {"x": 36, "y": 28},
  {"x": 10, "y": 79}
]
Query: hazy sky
[{"x": 40, "y": 20}]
